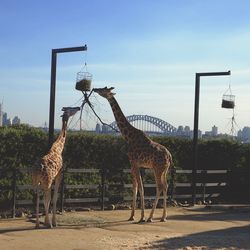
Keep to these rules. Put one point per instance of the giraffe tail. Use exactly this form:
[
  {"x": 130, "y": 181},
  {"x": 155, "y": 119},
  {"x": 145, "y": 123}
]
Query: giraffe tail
[
  {"x": 172, "y": 169},
  {"x": 35, "y": 179}
]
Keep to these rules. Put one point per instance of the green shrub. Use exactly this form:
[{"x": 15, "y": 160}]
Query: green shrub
[{"x": 21, "y": 146}]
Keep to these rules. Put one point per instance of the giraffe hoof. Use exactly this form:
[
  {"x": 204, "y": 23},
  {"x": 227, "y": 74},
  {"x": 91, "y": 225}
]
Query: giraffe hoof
[
  {"x": 132, "y": 218},
  {"x": 47, "y": 225},
  {"x": 142, "y": 220},
  {"x": 163, "y": 219},
  {"x": 150, "y": 220}
]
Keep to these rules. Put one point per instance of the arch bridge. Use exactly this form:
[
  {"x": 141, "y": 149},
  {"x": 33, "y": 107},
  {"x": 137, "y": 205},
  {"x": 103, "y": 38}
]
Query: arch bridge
[{"x": 149, "y": 124}]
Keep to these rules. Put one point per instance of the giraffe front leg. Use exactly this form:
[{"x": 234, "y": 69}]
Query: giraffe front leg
[
  {"x": 158, "y": 193},
  {"x": 165, "y": 189},
  {"x": 47, "y": 198},
  {"x": 159, "y": 187},
  {"x": 135, "y": 189},
  {"x": 141, "y": 191},
  {"x": 55, "y": 196}
]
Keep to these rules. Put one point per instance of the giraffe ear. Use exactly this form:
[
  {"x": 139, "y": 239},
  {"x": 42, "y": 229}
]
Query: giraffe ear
[{"x": 110, "y": 89}]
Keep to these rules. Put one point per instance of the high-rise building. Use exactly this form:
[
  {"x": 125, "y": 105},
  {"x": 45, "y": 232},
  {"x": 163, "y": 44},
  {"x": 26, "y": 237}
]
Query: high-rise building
[
  {"x": 244, "y": 134},
  {"x": 8, "y": 122},
  {"x": 214, "y": 131},
  {"x": 5, "y": 119},
  {"x": 16, "y": 120},
  {"x": 180, "y": 131},
  {"x": 98, "y": 128},
  {"x": 105, "y": 128},
  {"x": 187, "y": 132}
]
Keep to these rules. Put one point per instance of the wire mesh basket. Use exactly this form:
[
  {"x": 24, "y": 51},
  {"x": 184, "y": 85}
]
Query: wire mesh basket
[
  {"x": 83, "y": 81},
  {"x": 228, "y": 101}
]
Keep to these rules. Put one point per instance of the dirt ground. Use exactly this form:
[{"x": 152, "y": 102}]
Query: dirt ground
[{"x": 186, "y": 228}]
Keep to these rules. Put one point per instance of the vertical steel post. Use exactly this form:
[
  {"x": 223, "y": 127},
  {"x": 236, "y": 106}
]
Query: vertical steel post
[
  {"x": 52, "y": 100},
  {"x": 103, "y": 187},
  {"x": 53, "y": 86},
  {"x": 204, "y": 176},
  {"x": 195, "y": 135},
  {"x": 196, "y": 126},
  {"x": 52, "y": 97}
]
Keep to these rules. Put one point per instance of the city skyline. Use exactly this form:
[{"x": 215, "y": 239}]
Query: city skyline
[
  {"x": 242, "y": 135},
  {"x": 150, "y": 58},
  {"x": 5, "y": 120}
]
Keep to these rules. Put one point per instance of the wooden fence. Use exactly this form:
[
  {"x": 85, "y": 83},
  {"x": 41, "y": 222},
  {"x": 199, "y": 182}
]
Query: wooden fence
[
  {"x": 211, "y": 184},
  {"x": 183, "y": 190}
]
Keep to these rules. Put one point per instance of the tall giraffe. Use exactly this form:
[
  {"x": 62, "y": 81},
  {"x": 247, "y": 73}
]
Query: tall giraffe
[
  {"x": 142, "y": 152},
  {"x": 49, "y": 169}
]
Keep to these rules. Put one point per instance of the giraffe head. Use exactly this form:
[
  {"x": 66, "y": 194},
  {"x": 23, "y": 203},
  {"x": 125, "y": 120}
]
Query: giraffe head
[
  {"x": 105, "y": 92},
  {"x": 68, "y": 111}
]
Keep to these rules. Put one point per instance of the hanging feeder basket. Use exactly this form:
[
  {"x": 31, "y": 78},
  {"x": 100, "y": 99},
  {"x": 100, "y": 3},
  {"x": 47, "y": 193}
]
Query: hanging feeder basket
[
  {"x": 228, "y": 101},
  {"x": 83, "y": 81}
]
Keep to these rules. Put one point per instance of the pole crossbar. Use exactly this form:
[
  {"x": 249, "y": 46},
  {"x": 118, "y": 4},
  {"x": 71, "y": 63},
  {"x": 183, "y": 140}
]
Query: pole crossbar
[
  {"x": 53, "y": 86},
  {"x": 71, "y": 49},
  {"x": 214, "y": 73}
]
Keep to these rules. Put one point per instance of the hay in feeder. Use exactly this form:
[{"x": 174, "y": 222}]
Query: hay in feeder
[
  {"x": 83, "y": 81},
  {"x": 83, "y": 85},
  {"x": 228, "y": 101}
]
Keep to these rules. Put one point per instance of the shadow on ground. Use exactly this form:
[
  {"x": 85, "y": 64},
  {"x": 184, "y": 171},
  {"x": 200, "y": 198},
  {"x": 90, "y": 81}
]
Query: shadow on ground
[
  {"x": 231, "y": 238},
  {"x": 207, "y": 215},
  {"x": 185, "y": 228},
  {"x": 17, "y": 229}
]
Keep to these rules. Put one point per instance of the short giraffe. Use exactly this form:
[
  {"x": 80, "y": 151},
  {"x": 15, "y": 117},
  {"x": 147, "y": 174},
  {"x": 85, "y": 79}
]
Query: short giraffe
[
  {"x": 49, "y": 169},
  {"x": 142, "y": 152}
]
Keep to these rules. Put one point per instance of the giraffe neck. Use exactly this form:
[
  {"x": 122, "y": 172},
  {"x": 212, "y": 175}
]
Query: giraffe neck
[
  {"x": 58, "y": 145},
  {"x": 125, "y": 127}
]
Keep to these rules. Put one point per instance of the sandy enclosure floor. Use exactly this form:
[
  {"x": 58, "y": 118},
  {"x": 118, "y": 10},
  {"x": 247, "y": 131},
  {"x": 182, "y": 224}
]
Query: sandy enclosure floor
[{"x": 197, "y": 228}]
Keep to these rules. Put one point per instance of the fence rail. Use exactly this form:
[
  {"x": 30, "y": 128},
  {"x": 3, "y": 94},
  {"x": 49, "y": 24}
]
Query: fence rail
[{"x": 177, "y": 189}]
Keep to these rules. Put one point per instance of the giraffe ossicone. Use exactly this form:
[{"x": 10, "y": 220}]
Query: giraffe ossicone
[{"x": 142, "y": 153}]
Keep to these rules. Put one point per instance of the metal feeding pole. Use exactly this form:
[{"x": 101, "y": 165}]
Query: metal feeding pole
[
  {"x": 53, "y": 86},
  {"x": 52, "y": 101},
  {"x": 196, "y": 126}
]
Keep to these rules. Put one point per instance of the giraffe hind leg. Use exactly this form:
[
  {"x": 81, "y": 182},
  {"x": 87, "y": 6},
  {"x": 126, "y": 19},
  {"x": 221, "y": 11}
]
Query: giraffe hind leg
[
  {"x": 47, "y": 198},
  {"x": 165, "y": 188},
  {"x": 158, "y": 193},
  {"x": 159, "y": 188},
  {"x": 141, "y": 191},
  {"x": 57, "y": 184},
  {"x": 135, "y": 190}
]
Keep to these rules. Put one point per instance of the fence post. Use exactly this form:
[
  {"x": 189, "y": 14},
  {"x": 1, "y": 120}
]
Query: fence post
[
  {"x": 204, "y": 174},
  {"x": 171, "y": 184},
  {"x": 14, "y": 176},
  {"x": 103, "y": 186}
]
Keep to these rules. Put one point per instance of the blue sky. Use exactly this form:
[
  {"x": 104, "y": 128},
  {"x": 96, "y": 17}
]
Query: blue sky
[{"x": 148, "y": 50}]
